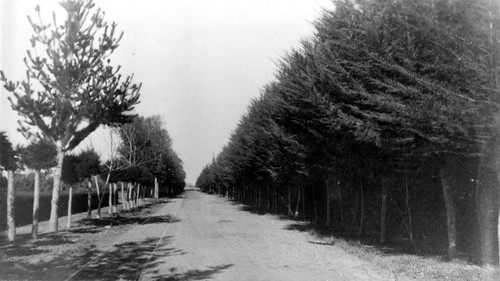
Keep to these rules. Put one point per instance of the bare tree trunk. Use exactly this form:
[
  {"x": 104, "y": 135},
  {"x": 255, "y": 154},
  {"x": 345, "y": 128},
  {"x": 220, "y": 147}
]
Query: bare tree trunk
[
  {"x": 268, "y": 198},
  {"x": 383, "y": 213},
  {"x": 115, "y": 198},
  {"x": 328, "y": 207},
  {"x": 124, "y": 201},
  {"x": 11, "y": 199},
  {"x": 110, "y": 198},
  {"x": 289, "y": 203},
  {"x": 328, "y": 203},
  {"x": 361, "y": 230},
  {"x": 408, "y": 209},
  {"x": 487, "y": 196},
  {"x": 36, "y": 205},
  {"x": 54, "y": 218},
  {"x": 70, "y": 205},
  {"x": 130, "y": 195},
  {"x": 315, "y": 207},
  {"x": 296, "y": 214},
  {"x": 448, "y": 179},
  {"x": 303, "y": 202},
  {"x": 99, "y": 197},
  {"x": 137, "y": 189},
  {"x": 275, "y": 198},
  {"x": 341, "y": 209},
  {"x": 89, "y": 198},
  {"x": 157, "y": 189}
]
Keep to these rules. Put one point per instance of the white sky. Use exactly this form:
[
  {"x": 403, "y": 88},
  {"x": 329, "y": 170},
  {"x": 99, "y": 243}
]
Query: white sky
[{"x": 200, "y": 62}]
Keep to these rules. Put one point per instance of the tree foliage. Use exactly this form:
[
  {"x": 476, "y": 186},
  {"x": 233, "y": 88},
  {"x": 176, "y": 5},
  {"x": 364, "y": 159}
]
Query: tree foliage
[
  {"x": 380, "y": 98},
  {"x": 71, "y": 88},
  {"x": 146, "y": 146},
  {"x": 7, "y": 153},
  {"x": 39, "y": 155}
]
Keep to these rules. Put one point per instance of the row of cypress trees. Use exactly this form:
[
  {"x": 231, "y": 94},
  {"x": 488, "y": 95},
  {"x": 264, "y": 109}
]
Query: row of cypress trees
[{"x": 384, "y": 123}]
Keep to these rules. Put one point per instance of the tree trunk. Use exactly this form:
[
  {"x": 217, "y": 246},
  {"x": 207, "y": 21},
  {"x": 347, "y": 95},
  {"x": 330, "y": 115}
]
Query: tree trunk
[
  {"x": 36, "y": 205},
  {"x": 315, "y": 207},
  {"x": 259, "y": 204},
  {"x": 448, "y": 181},
  {"x": 130, "y": 197},
  {"x": 54, "y": 218},
  {"x": 328, "y": 202},
  {"x": 408, "y": 209},
  {"x": 70, "y": 204},
  {"x": 110, "y": 198},
  {"x": 11, "y": 198},
  {"x": 383, "y": 213},
  {"x": 268, "y": 198},
  {"x": 89, "y": 198},
  {"x": 361, "y": 230},
  {"x": 296, "y": 214},
  {"x": 487, "y": 202},
  {"x": 341, "y": 209},
  {"x": 99, "y": 197},
  {"x": 124, "y": 200},
  {"x": 303, "y": 201},
  {"x": 115, "y": 198},
  {"x": 137, "y": 191},
  {"x": 275, "y": 198},
  {"x": 157, "y": 189}
]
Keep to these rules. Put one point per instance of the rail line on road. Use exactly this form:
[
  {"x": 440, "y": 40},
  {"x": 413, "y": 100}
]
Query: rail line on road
[
  {"x": 161, "y": 238},
  {"x": 94, "y": 259}
]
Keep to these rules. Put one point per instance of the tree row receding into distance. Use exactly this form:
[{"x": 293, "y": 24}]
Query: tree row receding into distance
[
  {"x": 71, "y": 89},
  {"x": 385, "y": 123}
]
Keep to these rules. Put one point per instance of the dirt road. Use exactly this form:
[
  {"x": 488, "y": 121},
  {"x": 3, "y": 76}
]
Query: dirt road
[
  {"x": 212, "y": 238},
  {"x": 193, "y": 237}
]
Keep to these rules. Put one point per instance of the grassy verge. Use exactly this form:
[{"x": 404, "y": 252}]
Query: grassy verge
[{"x": 416, "y": 267}]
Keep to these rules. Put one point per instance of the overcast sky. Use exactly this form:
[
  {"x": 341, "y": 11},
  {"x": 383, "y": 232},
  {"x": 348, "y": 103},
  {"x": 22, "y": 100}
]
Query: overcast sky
[{"x": 200, "y": 62}]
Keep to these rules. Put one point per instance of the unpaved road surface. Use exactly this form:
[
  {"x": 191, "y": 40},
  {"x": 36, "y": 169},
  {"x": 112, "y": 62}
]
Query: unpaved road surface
[
  {"x": 193, "y": 237},
  {"x": 212, "y": 238}
]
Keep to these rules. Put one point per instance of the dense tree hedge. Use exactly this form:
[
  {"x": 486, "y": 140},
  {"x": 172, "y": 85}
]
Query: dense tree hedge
[{"x": 378, "y": 125}]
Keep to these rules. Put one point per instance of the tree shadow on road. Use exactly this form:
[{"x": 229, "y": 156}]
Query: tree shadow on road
[
  {"x": 123, "y": 261},
  {"x": 194, "y": 274},
  {"x": 368, "y": 242},
  {"x": 126, "y": 220},
  {"x": 25, "y": 246}
]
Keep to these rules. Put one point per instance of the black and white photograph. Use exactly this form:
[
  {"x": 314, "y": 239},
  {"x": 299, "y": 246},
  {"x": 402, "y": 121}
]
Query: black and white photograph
[{"x": 263, "y": 140}]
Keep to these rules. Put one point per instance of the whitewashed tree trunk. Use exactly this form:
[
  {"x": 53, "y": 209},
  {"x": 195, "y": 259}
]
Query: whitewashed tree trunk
[
  {"x": 130, "y": 194},
  {"x": 98, "y": 215},
  {"x": 11, "y": 198},
  {"x": 124, "y": 200},
  {"x": 110, "y": 198},
  {"x": 70, "y": 205},
  {"x": 89, "y": 198},
  {"x": 54, "y": 217},
  {"x": 157, "y": 189},
  {"x": 115, "y": 198},
  {"x": 137, "y": 193},
  {"x": 36, "y": 205}
]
